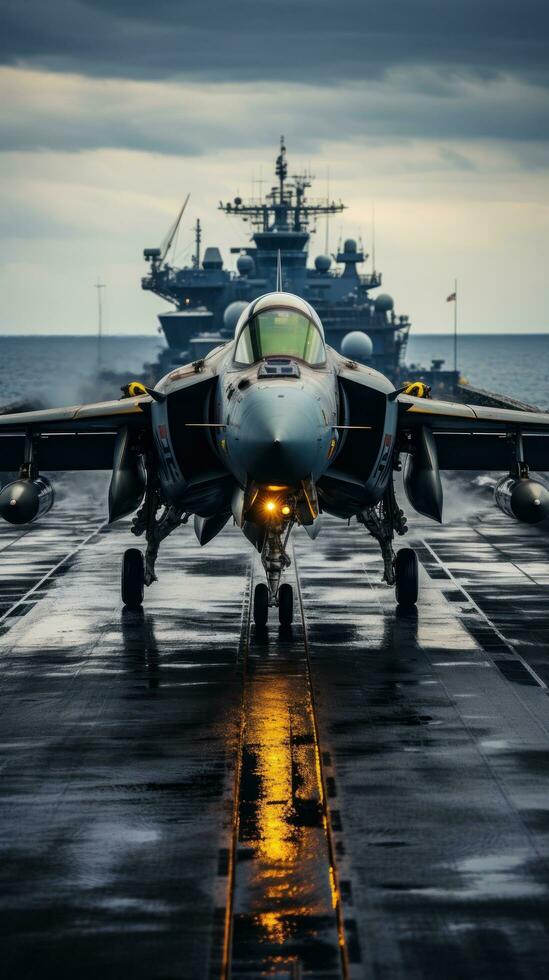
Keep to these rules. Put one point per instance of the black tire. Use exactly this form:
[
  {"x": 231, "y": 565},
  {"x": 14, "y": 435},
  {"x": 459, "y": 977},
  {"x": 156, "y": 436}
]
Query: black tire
[
  {"x": 261, "y": 604},
  {"x": 286, "y": 604},
  {"x": 133, "y": 578},
  {"x": 407, "y": 579}
]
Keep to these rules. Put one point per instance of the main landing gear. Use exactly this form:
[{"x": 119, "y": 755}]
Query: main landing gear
[
  {"x": 133, "y": 578},
  {"x": 406, "y": 577},
  {"x": 401, "y": 570},
  {"x": 155, "y": 519}
]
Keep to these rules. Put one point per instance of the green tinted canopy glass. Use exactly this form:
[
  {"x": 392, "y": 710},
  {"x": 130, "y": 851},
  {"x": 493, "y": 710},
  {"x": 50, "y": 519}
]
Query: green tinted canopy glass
[{"x": 284, "y": 332}]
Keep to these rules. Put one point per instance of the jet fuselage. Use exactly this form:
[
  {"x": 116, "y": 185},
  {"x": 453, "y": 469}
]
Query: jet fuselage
[{"x": 276, "y": 423}]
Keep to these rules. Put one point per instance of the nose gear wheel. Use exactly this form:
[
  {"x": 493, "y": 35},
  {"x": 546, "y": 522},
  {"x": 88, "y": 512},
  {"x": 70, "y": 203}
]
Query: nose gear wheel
[
  {"x": 285, "y": 604},
  {"x": 261, "y": 604}
]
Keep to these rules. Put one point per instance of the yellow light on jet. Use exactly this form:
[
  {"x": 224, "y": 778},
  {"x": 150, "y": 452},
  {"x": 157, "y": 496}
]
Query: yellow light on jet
[
  {"x": 270, "y": 506},
  {"x": 286, "y": 510}
]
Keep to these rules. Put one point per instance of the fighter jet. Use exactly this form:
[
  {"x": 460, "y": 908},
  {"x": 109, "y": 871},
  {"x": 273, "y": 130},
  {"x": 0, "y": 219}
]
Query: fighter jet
[{"x": 273, "y": 430}]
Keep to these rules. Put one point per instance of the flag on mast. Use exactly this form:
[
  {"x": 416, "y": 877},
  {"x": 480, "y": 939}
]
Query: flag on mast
[{"x": 452, "y": 298}]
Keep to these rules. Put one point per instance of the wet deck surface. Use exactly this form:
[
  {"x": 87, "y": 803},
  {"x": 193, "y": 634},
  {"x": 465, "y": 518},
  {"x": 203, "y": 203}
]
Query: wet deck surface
[{"x": 184, "y": 796}]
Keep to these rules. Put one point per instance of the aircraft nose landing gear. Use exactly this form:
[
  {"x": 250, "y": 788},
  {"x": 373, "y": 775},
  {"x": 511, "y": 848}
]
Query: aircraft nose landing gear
[
  {"x": 275, "y": 560},
  {"x": 285, "y": 604}
]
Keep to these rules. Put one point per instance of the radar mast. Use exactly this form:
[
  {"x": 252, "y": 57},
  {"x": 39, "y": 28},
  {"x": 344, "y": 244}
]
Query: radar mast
[{"x": 286, "y": 208}]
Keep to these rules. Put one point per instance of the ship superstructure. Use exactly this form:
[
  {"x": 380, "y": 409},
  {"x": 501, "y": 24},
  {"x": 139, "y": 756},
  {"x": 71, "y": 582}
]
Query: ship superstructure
[{"x": 208, "y": 298}]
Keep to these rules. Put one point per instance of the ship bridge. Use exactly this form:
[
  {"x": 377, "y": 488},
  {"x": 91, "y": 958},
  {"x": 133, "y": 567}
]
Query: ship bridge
[{"x": 282, "y": 222}]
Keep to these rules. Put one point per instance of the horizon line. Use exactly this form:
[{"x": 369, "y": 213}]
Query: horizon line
[{"x": 146, "y": 336}]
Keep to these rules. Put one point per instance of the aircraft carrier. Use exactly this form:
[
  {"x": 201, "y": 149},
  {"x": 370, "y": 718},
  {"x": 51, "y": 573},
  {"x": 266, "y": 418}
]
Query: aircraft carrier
[
  {"x": 208, "y": 297},
  {"x": 185, "y": 796}
]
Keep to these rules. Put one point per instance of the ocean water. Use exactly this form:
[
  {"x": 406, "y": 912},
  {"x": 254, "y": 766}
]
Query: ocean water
[
  {"x": 60, "y": 370},
  {"x": 515, "y": 364}
]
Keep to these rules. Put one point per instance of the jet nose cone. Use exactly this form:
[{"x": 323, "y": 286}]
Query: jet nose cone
[
  {"x": 280, "y": 452},
  {"x": 282, "y": 437}
]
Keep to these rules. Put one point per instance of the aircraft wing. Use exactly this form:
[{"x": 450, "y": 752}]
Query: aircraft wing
[
  {"x": 81, "y": 437},
  {"x": 475, "y": 437}
]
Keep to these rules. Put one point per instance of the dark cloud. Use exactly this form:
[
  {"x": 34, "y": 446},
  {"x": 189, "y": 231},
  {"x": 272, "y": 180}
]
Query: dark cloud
[
  {"x": 52, "y": 112},
  {"x": 356, "y": 70},
  {"x": 313, "y": 41}
]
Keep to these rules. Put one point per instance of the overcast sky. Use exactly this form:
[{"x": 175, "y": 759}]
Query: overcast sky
[{"x": 436, "y": 112}]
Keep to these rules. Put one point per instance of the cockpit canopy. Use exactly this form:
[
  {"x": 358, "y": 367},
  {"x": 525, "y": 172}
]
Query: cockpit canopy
[{"x": 279, "y": 324}]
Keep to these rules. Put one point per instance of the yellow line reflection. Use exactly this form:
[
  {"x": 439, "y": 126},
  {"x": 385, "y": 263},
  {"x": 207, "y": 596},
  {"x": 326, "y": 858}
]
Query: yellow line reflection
[{"x": 286, "y": 849}]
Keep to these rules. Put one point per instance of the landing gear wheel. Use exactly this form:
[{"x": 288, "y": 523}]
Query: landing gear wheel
[
  {"x": 133, "y": 578},
  {"x": 406, "y": 573},
  {"x": 286, "y": 604},
  {"x": 261, "y": 604}
]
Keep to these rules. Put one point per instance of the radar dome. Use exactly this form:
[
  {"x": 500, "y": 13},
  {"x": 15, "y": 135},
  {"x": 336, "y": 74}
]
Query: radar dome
[
  {"x": 245, "y": 265},
  {"x": 384, "y": 303},
  {"x": 322, "y": 263},
  {"x": 232, "y": 313},
  {"x": 357, "y": 345},
  {"x": 349, "y": 245}
]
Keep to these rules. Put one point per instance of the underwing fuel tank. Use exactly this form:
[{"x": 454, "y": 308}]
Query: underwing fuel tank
[
  {"x": 524, "y": 499},
  {"x": 25, "y": 501},
  {"x": 206, "y": 528},
  {"x": 128, "y": 479},
  {"x": 422, "y": 478}
]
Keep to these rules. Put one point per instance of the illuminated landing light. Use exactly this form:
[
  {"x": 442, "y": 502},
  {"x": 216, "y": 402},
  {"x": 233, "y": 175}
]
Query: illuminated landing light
[
  {"x": 270, "y": 506},
  {"x": 286, "y": 510}
]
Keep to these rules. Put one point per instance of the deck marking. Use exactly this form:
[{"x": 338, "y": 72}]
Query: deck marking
[
  {"x": 220, "y": 962},
  {"x": 486, "y": 761},
  {"x": 487, "y": 619},
  {"x": 332, "y": 818},
  {"x": 10, "y": 612},
  {"x": 231, "y": 950}
]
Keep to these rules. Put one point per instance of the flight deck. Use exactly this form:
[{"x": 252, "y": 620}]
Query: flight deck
[{"x": 363, "y": 794}]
